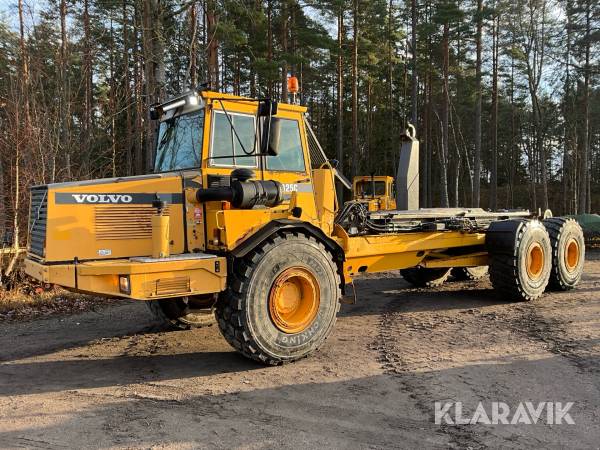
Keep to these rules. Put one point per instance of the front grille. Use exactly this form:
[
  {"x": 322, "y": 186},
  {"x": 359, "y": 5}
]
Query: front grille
[
  {"x": 38, "y": 215},
  {"x": 124, "y": 222},
  {"x": 171, "y": 286}
]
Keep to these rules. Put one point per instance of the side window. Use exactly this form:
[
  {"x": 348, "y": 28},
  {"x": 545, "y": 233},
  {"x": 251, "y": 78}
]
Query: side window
[
  {"x": 291, "y": 156},
  {"x": 226, "y": 149}
]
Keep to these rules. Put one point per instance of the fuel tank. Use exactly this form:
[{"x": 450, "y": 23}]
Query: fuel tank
[{"x": 103, "y": 219}]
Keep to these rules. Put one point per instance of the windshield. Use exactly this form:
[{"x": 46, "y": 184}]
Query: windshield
[
  {"x": 365, "y": 188},
  {"x": 180, "y": 142}
]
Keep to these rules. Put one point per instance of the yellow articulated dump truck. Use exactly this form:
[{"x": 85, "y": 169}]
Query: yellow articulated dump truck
[
  {"x": 240, "y": 217},
  {"x": 375, "y": 192}
]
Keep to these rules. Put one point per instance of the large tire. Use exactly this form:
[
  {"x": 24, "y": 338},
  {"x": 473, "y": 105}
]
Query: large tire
[
  {"x": 184, "y": 313},
  {"x": 520, "y": 258},
  {"x": 568, "y": 253},
  {"x": 283, "y": 300},
  {"x": 424, "y": 277},
  {"x": 469, "y": 273}
]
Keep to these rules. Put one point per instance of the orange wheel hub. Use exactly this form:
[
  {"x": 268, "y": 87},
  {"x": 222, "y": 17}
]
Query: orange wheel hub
[
  {"x": 572, "y": 255},
  {"x": 535, "y": 261},
  {"x": 294, "y": 300}
]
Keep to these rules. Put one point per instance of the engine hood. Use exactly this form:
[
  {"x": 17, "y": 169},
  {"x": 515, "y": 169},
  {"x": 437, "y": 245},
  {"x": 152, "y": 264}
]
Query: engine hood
[{"x": 100, "y": 219}]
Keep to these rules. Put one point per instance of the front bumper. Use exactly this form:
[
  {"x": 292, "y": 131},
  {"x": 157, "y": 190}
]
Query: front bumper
[{"x": 148, "y": 278}]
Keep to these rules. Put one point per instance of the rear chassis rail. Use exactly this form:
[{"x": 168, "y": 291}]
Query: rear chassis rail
[
  {"x": 356, "y": 220},
  {"x": 432, "y": 238}
]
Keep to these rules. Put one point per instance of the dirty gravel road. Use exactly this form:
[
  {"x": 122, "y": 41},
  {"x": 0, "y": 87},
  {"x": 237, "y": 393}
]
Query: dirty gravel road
[{"x": 113, "y": 379}]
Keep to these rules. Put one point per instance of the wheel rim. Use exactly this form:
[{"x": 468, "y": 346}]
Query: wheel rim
[
  {"x": 535, "y": 261},
  {"x": 294, "y": 300},
  {"x": 572, "y": 255}
]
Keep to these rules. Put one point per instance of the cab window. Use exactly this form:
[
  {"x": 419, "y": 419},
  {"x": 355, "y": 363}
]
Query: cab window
[
  {"x": 291, "y": 156},
  {"x": 179, "y": 142},
  {"x": 226, "y": 148},
  {"x": 365, "y": 188}
]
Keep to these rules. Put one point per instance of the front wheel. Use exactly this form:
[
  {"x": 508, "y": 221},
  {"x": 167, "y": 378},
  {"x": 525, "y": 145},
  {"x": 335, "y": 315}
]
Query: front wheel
[{"x": 283, "y": 302}]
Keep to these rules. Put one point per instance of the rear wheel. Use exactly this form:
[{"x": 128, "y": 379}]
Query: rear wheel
[
  {"x": 424, "y": 277},
  {"x": 184, "y": 313},
  {"x": 568, "y": 252},
  {"x": 520, "y": 258},
  {"x": 469, "y": 273},
  {"x": 283, "y": 301}
]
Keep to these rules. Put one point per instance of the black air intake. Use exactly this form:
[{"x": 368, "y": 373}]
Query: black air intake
[
  {"x": 244, "y": 193},
  {"x": 38, "y": 214}
]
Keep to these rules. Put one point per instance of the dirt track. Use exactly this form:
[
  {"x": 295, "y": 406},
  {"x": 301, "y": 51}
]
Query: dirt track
[{"x": 113, "y": 379}]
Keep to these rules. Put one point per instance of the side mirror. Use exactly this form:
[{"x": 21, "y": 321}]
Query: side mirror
[{"x": 271, "y": 137}]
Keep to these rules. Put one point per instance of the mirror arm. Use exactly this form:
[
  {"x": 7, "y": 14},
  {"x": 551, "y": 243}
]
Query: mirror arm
[{"x": 234, "y": 130}]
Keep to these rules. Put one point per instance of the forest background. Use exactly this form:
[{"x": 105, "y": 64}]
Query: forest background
[{"x": 504, "y": 94}]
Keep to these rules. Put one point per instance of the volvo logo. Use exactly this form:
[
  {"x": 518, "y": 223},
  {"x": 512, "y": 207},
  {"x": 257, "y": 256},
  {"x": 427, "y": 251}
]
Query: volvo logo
[
  {"x": 103, "y": 198},
  {"x": 109, "y": 198}
]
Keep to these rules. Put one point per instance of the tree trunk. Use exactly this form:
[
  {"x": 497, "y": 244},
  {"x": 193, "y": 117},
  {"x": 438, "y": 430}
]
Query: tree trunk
[
  {"x": 477, "y": 155},
  {"x": 65, "y": 103},
  {"x": 494, "y": 125},
  {"x": 212, "y": 55},
  {"x": 512, "y": 142},
  {"x": 585, "y": 149},
  {"x": 21, "y": 136},
  {"x": 284, "y": 48},
  {"x": 270, "y": 45},
  {"x": 138, "y": 167},
  {"x": 127, "y": 91},
  {"x": 445, "y": 107},
  {"x": 392, "y": 138},
  {"x": 340, "y": 100},
  {"x": 355, "y": 150},
  {"x": 567, "y": 116},
  {"x": 154, "y": 68},
  {"x": 112, "y": 103},
  {"x": 88, "y": 94},
  {"x": 414, "y": 75},
  {"x": 193, "y": 66}
]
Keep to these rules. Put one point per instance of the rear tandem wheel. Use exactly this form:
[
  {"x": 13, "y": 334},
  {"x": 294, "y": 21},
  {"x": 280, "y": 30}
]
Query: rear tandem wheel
[
  {"x": 520, "y": 258},
  {"x": 568, "y": 252}
]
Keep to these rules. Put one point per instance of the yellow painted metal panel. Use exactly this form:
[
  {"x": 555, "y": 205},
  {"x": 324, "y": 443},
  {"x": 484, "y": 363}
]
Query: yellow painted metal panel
[
  {"x": 399, "y": 251},
  {"x": 470, "y": 260},
  {"x": 105, "y": 231},
  {"x": 102, "y": 277}
]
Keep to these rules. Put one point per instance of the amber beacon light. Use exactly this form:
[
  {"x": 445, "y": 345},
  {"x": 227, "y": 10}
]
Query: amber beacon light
[{"x": 293, "y": 87}]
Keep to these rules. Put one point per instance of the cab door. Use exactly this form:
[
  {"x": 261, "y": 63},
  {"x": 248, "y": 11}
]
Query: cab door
[{"x": 232, "y": 141}]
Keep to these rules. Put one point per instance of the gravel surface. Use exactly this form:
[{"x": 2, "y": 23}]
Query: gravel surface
[{"x": 112, "y": 378}]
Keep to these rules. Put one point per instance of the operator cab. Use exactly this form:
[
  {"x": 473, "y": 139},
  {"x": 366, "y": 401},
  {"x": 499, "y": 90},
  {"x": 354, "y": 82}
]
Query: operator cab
[
  {"x": 226, "y": 133},
  {"x": 376, "y": 192}
]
